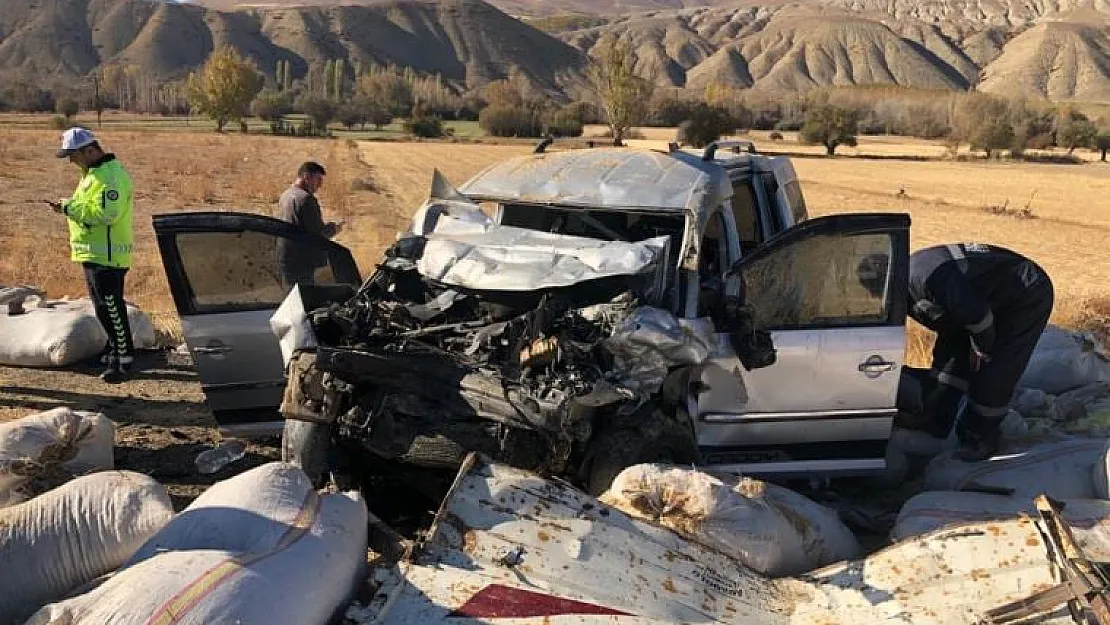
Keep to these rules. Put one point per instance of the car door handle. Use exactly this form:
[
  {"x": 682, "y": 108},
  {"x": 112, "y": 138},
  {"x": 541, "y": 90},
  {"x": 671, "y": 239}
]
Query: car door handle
[
  {"x": 212, "y": 351},
  {"x": 876, "y": 365}
]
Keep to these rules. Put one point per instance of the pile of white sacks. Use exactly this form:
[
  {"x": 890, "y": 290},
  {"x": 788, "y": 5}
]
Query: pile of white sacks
[
  {"x": 106, "y": 547},
  {"x": 1055, "y": 442},
  {"x": 1057, "y": 445},
  {"x": 37, "y": 332}
]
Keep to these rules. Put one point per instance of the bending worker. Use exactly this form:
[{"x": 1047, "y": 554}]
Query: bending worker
[{"x": 988, "y": 306}]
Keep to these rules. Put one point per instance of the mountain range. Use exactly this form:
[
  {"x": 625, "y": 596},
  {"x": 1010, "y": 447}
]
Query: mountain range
[{"x": 1056, "y": 49}]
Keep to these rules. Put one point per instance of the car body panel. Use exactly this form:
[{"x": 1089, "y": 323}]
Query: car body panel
[
  {"x": 835, "y": 378},
  {"x": 512, "y": 548},
  {"x": 223, "y": 277}
]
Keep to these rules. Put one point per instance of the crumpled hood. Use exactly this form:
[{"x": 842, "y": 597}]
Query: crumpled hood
[{"x": 484, "y": 256}]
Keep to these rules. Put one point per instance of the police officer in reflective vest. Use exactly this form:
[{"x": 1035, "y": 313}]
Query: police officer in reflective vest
[
  {"x": 101, "y": 238},
  {"x": 988, "y": 306}
]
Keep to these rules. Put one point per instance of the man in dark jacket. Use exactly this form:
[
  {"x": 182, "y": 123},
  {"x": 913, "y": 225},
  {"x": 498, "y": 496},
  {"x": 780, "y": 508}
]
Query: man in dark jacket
[
  {"x": 988, "y": 306},
  {"x": 298, "y": 206}
]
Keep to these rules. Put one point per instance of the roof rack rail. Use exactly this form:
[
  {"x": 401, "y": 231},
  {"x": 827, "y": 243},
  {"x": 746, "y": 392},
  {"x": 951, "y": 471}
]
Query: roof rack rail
[{"x": 735, "y": 145}]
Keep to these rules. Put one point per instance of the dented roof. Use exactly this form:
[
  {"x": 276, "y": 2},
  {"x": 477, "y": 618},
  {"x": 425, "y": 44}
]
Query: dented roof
[{"x": 606, "y": 178}]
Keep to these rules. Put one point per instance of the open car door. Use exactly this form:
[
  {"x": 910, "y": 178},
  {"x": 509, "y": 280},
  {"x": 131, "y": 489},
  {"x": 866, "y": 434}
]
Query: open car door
[
  {"x": 226, "y": 277},
  {"x": 832, "y": 291}
]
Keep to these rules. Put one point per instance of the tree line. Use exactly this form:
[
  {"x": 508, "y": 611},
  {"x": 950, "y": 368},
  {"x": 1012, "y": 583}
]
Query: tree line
[{"x": 228, "y": 88}]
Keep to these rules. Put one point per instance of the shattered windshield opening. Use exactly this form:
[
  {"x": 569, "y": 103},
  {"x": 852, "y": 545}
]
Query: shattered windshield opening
[{"x": 608, "y": 225}]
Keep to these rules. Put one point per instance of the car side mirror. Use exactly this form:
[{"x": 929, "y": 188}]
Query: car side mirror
[{"x": 753, "y": 345}]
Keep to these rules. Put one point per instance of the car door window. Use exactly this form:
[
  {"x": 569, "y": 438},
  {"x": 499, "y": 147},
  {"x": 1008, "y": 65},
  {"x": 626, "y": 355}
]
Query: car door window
[
  {"x": 746, "y": 212},
  {"x": 712, "y": 262},
  {"x": 828, "y": 278},
  {"x": 797, "y": 201},
  {"x": 245, "y": 270},
  {"x": 234, "y": 262}
]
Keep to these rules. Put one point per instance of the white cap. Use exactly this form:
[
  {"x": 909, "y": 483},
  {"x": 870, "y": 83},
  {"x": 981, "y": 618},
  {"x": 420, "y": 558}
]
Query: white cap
[{"x": 74, "y": 139}]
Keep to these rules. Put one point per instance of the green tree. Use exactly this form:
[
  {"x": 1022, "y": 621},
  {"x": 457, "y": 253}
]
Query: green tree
[
  {"x": 564, "y": 122},
  {"x": 624, "y": 96},
  {"x": 831, "y": 126},
  {"x": 338, "y": 79},
  {"x": 1074, "y": 130},
  {"x": 353, "y": 113},
  {"x": 510, "y": 121},
  {"x": 378, "y": 115},
  {"x": 224, "y": 87},
  {"x": 705, "y": 124},
  {"x": 388, "y": 89},
  {"x": 329, "y": 77},
  {"x": 983, "y": 122},
  {"x": 320, "y": 110},
  {"x": 272, "y": 106},
  {"x": 67, "y": 107}
]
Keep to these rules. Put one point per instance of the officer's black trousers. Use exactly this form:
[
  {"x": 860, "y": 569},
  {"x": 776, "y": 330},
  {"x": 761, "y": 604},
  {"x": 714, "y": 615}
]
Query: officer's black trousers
[
  {"x": 1018, "y": 327},
  {"x": 106, "y": 291}
]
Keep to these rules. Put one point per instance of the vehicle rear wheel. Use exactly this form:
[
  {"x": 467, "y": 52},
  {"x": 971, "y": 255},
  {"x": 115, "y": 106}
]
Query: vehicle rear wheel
[
  {"x": 652, "y": 437},
  {"x": 307, "y": 445}
]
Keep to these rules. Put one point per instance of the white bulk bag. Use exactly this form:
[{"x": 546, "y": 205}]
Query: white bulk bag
[
  {"x": 61, "y": 333},
  {"x": 40, "y": 449},
  {"x": 1061, "y": 469},
  {"x": 825, "y": 538},
  {"x": 1064, "y": 360},
  {"x": 264, "y": 547},
  {"x": 59, "y": 541},
  {"x": 765, "y": 530},
  {"x": 928, "y": 512}
]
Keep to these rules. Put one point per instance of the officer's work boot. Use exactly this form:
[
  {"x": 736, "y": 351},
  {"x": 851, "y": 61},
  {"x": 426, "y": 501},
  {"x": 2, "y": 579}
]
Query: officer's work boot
[
  {"x": 940, "y": 405},
  {"x": 980, "y": 436}
]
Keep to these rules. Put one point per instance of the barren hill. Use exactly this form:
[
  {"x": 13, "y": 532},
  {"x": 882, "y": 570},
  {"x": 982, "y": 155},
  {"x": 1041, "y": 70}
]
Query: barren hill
[
  {"x": 1049, "y": 48},
  {"x": 468, "y": 42},
  {"x": 530, "y": 8},
  {"x": 1056, "y": 60}
]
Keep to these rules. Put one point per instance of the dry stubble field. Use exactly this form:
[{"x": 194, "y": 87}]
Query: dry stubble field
[{"x": 376, "y": 186}]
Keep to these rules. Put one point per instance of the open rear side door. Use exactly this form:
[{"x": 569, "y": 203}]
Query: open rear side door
[
  {"x": 838, "y": 324},
  {"x": 225, "y": 277}
]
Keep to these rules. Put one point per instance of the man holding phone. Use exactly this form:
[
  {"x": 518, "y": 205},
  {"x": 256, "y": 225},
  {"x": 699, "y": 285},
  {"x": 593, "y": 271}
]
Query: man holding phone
[
  {"x": 101, "y": 238},
  {"x": 299, "y": 206}
]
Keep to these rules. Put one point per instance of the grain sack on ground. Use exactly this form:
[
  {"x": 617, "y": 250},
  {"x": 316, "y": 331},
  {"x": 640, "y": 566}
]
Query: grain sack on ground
[
  {"x": 1062, "y": 470},
  {"x": 262, "y": 547},
  {"x": 60, "y": 333},
  {"x": 928, "y": 512},
  {"x": 59, "y": 541},
  {"x": 1064, "y": 360},
  {"x": 770, "y": 529},
  {"x": 44, "y": 450}
]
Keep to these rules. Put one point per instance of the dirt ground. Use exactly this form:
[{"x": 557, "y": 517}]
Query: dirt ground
[{"x": 162, "y": 422}]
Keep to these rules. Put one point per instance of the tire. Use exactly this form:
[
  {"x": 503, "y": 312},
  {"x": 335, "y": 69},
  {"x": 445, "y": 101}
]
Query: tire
[
  {"x": 653, "y": 437},
  {"x": 307, "y": 445}
]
